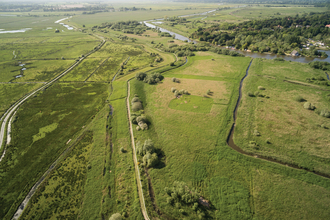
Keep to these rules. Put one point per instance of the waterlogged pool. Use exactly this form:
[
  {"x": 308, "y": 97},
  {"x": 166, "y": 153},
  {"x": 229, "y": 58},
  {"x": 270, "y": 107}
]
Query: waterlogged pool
[{"x": 3, "y": 31}]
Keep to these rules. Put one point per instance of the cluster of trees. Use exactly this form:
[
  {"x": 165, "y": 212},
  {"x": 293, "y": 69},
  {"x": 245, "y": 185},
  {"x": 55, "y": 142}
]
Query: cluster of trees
[
  {"x": 276, "y": 35},
  {"x": 180, "y": 195},
  {"x": 187, "y": 49},
  {"x": 133, "y": 9},
  {"x": 140, "y": 120},
  {"x": 320, "y": 65},
  {"x": 226, "y": 52},
  {"x": 151, "y": 78},
  {"x": 130, "y": 27},
  {"x": 179, "y": 92},
  {"x": 148, "y": 151}
]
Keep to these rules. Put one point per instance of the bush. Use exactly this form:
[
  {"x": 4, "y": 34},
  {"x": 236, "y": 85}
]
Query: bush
[
  {"x": 135, "y": 99},
  {"x": 173, "y": 89},
  {"x": 309, "y": 106},
  {"x": 116, "y": 216},
  {"x": 278, "y": 59},
  {"x": 261, "y": 88},
  {"x": 137, "y": 106},
  {"x": 142, "y": 118},
  {"x": 298, "y": 98},
  {"x": 138, "y": 128},
  {"x": 173, "y": 79},
  {"x": 140, "y": 76},
  {"x": 251, "y": 94},
  {"x": 256, "y": 133},
  {"x": 122, "y": 150},
  {"x": 256, "y": 94},
  {"x": 325, "y": 113}
]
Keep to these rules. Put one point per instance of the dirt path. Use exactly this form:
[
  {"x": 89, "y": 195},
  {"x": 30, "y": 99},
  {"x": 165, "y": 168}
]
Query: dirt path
[{"x": 137, "y": 171}]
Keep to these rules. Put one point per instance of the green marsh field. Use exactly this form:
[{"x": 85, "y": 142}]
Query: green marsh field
[{"x": 74, "y": 137}]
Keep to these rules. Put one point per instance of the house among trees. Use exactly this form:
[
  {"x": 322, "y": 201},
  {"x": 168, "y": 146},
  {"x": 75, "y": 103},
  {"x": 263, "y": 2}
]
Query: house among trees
[
  {"x": 294, "y": 53},
  {"x": 328, "y": 25}
]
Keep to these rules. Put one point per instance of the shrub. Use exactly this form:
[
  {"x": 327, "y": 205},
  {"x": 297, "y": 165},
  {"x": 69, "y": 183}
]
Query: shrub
[
  {"x": 137, "y": 106},
  {"x": 309, "y": 106},
  {"x": 261, "y": 88},
  {"x": 278, "y": 59},
  {"x": 116, "y": 216},
  {"x": 135, "y": 99},
  {"x": 251, "y": 94},
  {"x": 133, "y": 119},
  {"x": 208, "y": 92},
  {"x": 173, "y": 79},
  {"x": 138, "y": 128},
  {"x": 325, "y": 113},
  {"x": 256, "y": 94},
  {"x": 142, "y": 118},
  {"x": 150, "y": 160},
  {"x": 256, "y": 133},
  {"x": 177, "y": 81},
  {"x": 143, "y": 126},
  {"x": 186, "y": 92},
  {"x": 173, "y": 89},
  {"x": 298, "y": 98},
  {"x": 176, "y": 93},
  {"x": 140, "y": 76},
  {"x": 122, "y": 150}
]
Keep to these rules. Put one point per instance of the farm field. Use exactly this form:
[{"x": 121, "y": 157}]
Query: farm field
[{"x": 296, "y": 135}]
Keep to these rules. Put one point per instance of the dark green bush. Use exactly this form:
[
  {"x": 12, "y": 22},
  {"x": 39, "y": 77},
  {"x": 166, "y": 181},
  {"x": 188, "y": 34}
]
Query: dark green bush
[
  {"x": 140, "y": 76},
  {"x": 298, "y": 98},
  {"x": 136, "y": 106}
]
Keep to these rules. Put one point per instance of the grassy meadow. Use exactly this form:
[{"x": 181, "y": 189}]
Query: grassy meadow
[
  {"x": 58, "y": 113},
  {"x": 86, "y": 112},
  {"x": 194, "y": 150},
  {"x": 295, "y": 135}
]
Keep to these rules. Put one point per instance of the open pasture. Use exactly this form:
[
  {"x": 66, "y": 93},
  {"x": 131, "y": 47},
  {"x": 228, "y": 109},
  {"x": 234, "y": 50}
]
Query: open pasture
[
  {"x": 33, "y": 70},
  {"x": 195, "y": 151},
  {"x": 62, "y": 189},
  {"x": 83, "y": 71},
  {"x": 10, "y": 93},
  {"x": 211, "y": 66},
  {"x": 295, "y": 134},
  {"x": 69, "y": 107},
  {"x": 96, "y": 19}
]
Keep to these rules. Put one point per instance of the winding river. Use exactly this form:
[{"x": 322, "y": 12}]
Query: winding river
[{"x": 245, "y": 53}]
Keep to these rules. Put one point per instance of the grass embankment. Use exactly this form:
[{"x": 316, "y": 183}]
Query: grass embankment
[
  {"x": 194, "y": 149},
  {"x": 69, "y": 107},
  {"x": 295, "y": 135}
]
